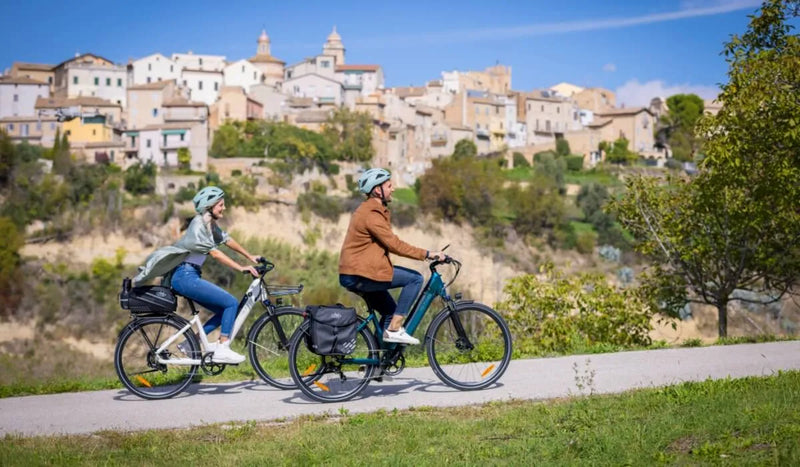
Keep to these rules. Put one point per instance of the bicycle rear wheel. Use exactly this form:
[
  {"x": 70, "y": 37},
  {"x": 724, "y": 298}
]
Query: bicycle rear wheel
[
  {"x": 136, "y": 362},
  {"x": 268, "y": 346},
  {"x": 332, "y": 378},
  {"x": 474, "y": 358}
]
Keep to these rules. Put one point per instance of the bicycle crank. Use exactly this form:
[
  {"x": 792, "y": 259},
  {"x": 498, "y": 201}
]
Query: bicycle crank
[{"x": 209, "y": 367}]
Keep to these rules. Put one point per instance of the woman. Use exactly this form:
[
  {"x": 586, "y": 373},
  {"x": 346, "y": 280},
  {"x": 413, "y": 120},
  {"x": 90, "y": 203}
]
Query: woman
[
  {"x": 364, "y": 264},
  {"x": 182, "y": 262}
]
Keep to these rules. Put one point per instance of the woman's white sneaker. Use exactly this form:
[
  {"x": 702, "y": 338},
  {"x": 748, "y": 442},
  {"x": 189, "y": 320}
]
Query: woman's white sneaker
[
  {"x": 224, "y": 354},
  {"x": 399, "y": 337}
]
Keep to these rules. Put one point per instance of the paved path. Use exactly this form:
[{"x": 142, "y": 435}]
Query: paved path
[{"x": 544, "y": 378}]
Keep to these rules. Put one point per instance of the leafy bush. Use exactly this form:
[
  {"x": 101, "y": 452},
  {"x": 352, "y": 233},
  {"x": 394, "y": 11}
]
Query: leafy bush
[
  {"x": 327, "y": 207},
  {"x": 558, "y": 313},
  {"x": 585, "y": 242},
  {"x": 520, "y": 160},
  {"x": 562, "y": 147},
  {"x": 574, "y": 163},
  {"x": 404, "y": 215},
  {"x": 140, "y": 179}
]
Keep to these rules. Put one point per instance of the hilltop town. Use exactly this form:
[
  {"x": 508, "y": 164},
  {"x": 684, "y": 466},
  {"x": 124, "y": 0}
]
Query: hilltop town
[{"x": 157, "y": 107}]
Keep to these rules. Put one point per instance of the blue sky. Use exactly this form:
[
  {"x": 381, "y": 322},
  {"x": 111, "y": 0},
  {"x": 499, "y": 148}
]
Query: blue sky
[{"x": 637, "y": 48}]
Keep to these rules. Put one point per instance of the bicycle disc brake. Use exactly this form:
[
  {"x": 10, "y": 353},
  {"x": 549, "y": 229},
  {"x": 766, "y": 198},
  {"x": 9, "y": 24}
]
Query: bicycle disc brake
[{"x": 209, "y": 367}]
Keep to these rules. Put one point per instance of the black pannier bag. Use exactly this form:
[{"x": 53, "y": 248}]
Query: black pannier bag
[
  {"x": 147, "y": 298},
  {"x": 333, "y": 329}
]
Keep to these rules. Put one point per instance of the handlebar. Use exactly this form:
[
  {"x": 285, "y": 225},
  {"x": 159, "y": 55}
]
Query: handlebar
[{"x": 264, "y": 266}]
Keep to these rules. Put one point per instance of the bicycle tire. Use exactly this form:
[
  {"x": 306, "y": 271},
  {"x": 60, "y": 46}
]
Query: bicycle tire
[
  {"x": 475, "y": 364},
  {"x": 317, "y": 376},
  {"x": 135, "y": 359},
  {"x": 268, "y": 347}
]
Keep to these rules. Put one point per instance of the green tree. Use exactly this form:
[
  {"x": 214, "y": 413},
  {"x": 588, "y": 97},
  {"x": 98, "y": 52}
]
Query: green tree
[
  {"x": 140, "y": 179},
  {"x": 679, "y": 125},
  {"x": 350, "y": 135},
  {"x": 520, "y": 160},
  {"x": 465, "y": 148},
  {"x": 62, "y": 159},
  {"x": 550, "y": 167},
  {"x": 618, "y": 152},
  {"x": 736, "y": 224},
  {"x": 227, "y": 141},
  {"x": 538, "y": 209},
  {"x": 7, "y": 159},
  {"x": 184, "y": 158},
  {"x": 10, "y": 261},
  {"x": 562, "y": 147}
]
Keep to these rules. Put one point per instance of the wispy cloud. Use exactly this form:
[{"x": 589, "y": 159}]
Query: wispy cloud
[
  {"x": 635, "y": 94},
  {"x": 609, "y": 68},
  {"x": 693, "y": 9}
]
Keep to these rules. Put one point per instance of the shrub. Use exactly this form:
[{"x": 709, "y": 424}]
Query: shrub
[
  {"x": 562, "y": 147},
  {"x": 574, "y": 163},
  {"x": 585, "y": 242},
  {"x": 520, "y": 160},
  {"x": 328, "y": 207},
  {"x": 140, "y": 179},
  {"x": 556, "y": 312},
  {"x": 404, "y": 215}
]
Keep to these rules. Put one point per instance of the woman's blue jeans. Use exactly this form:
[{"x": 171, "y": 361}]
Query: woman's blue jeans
[
  {"x": 187, "y": 282},
  {"x": 377, "y": 295}
]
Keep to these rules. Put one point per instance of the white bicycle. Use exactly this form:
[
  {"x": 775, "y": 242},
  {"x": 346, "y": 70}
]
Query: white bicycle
[{"x": 157, "y": 356}]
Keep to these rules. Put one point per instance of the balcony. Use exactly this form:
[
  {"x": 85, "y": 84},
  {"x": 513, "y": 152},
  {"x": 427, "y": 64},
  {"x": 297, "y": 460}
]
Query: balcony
[
  {"x": 131, "y": 142},
  {"x": 352, "y": 86},
  {"x": 438, "y": 140},
  {"x": 482, "y": 133}
]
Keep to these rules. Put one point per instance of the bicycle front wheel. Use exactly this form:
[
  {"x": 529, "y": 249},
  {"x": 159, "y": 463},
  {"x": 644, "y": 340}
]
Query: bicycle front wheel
[
  {"x": 268, "y": 346},
  {"x": 468, "y": 348},
  {"x": 137, "y": 364},
  {"x": 333, "y": 378}
]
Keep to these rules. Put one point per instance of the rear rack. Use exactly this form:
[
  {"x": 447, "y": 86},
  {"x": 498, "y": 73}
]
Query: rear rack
[{"x": 278, "y": 290}]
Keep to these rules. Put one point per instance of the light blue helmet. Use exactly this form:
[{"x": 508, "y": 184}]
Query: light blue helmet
[
  {"x": 372, "y": 178},
  {"x": 206, "y": 198}
]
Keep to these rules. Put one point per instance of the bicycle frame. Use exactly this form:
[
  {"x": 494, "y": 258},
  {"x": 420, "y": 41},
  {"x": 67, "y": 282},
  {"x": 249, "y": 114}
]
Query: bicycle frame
[
  {"x": 434, "y": 287},
  {"x": 256, "y": 292}
]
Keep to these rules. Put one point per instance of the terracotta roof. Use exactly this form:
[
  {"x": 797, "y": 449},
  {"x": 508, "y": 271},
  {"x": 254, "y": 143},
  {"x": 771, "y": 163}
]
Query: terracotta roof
[
  {"x": 624, "y": 111},
  {"x": 56, "y": 102},
  {"x": 151, "y": 86},
  {"x": 181, "y": 102},
  {"x": 357, "y": 67},
  {"x": 265, "y": 59},
  {"x": 409, "y": 91},
  {"x": 32, "y": 66},
  {"x": 600, "y": 122},
  {"x": 20, "y": 80},
  {"x": 75, "y": 59}
]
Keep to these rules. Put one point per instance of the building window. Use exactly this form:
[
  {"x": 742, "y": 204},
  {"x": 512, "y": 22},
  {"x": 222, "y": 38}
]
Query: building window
[
  {"x": 255, "y": 77},
  {"x": 52, "y": 126},
  {"x": 149, "y": 67},
  {"x": 49, "y": 80},
  {"x": 148, "y": 143},
  {"x": 558, "y": 110},
  {"x": 119, "y": 82},
  {"x": 108, "y": 81},
  {"x": 94, "y": 132},
  {"x": 16, "y": 97},
  {"x": 200, "y": 85},
  {"x": 24, "y": 129},
  {"x": 325, "y": 64},
  {"x": 165, "y": 140},
  {"x": 170, "y": 68},
  {"x": 112, "y": 156},
  {"x": 155, "y": 112},
  {"x": 242, "y": 68},
  {"x": 216, "y": 86},
  {"x": 184, "y": 82},
  {"x": 182, "y": 136},
  {"x": 148, "y": 79},
  {"x": 10, "y": 127},
  {"x": 133, "y": 141},
  {"x": 96, "y": 81},
  {"x": 38, "y": 126},
  {"x": 201, "y": 61},
  {"x": 542, "y": 107},
  {"x": 74, "y": 80}
]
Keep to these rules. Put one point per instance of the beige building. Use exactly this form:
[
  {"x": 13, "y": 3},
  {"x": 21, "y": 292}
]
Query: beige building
[
  {"x": 35, "y": 71},
  {"x": 595, "y": 99},
  {"x": 548, "y": 118},
  {"x": 334, "y": 47},
  {"x": 482, "y": 112},
  {"x": 270, "y": 67},
  {"x": 495, "y": 80},
  {"x": 37, "y": 130},
  {"x": 635, "y": 124},
  {"x": 566, "y": 89},
  {"x": 146, "y": 102},
  {"x": 92, "y": 76},
  {"x": 233, "y": 104},
  {"x": 18, "y": 95}
]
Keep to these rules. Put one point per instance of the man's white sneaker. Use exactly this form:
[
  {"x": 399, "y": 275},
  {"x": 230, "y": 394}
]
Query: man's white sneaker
[
  {"x": 224, "y": 354},
  {"x": 400, "y": 337}
]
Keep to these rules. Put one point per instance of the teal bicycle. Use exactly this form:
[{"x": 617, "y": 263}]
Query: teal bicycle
[{"x": 468, "y": 346}]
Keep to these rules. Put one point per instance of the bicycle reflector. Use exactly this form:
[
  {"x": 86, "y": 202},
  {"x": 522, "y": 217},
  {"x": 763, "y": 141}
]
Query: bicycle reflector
[
  {"x": 143, "y": 381},
  {"x": 487, "y": 371}
]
